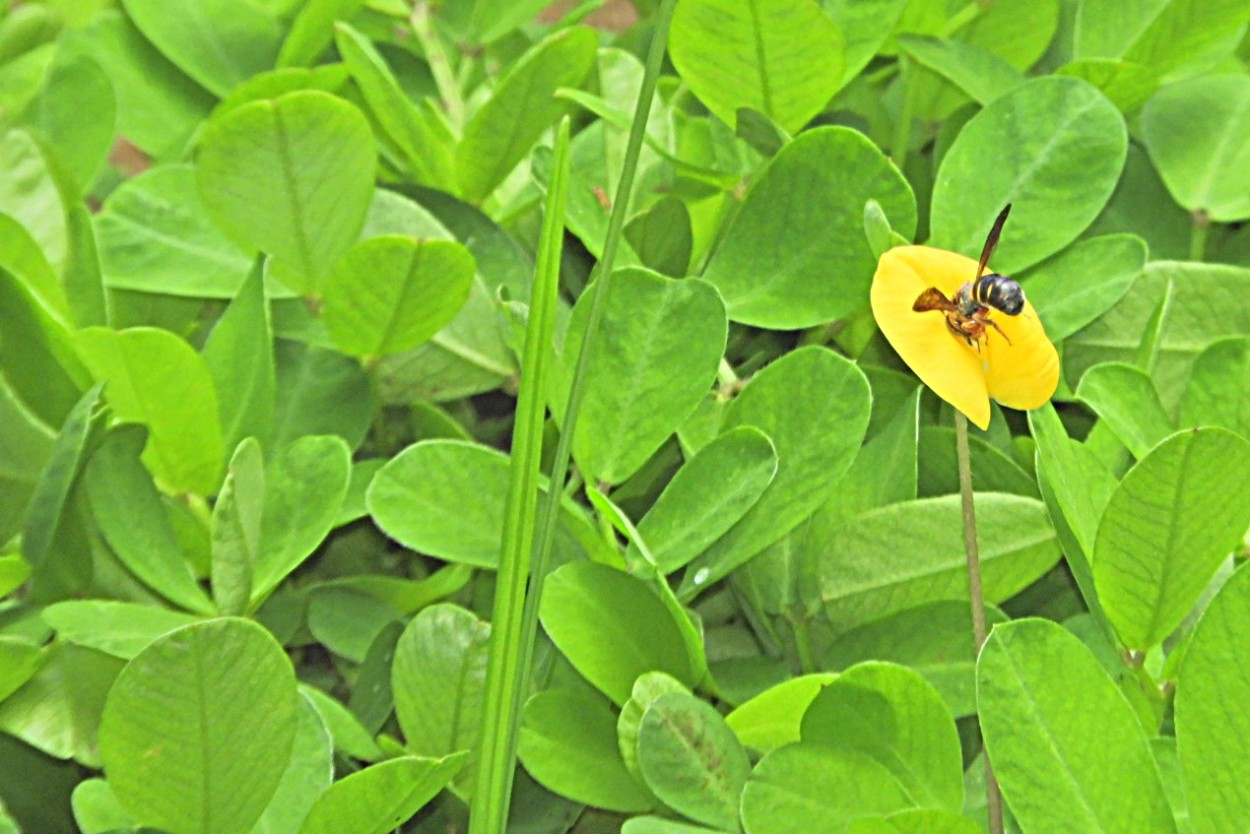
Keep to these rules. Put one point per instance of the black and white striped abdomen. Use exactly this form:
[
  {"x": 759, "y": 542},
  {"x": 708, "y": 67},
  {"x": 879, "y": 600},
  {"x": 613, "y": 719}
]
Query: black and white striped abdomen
[{"x": 999, "y": 292}]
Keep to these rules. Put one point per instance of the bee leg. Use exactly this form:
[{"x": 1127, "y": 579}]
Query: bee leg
[{"x": 994, "y": 325}]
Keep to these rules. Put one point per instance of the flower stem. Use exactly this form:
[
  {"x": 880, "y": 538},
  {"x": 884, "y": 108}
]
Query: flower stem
[
  {"x": 993, "y": 799},
  {"x": 1198, "y": 235}
]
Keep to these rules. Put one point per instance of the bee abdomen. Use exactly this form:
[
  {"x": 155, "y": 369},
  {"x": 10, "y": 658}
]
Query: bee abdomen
[{"x": 999, "y": 292}]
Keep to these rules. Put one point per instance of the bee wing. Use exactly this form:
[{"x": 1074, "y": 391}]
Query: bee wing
[
  {"x": 933, "y": 299},
  {"x": 991, "y": 242}
]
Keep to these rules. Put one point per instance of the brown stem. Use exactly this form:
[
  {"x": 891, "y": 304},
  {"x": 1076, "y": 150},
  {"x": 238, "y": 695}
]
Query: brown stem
[{"x": 993, "y": 798}]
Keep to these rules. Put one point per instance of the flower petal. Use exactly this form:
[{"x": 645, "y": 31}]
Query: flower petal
[
  {"x": 942, "y": 360},
  {"x": 1025, "y": 373}
]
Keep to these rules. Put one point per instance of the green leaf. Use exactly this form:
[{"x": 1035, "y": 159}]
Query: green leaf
[
  {"x": 347, "y": 621},
  {"x": 319, "y": 392},
  {"x": 467, "y": 357},
  {"x": 995, "y": 470},
  {"x": 36, "y": 354},
  {"x": 83, "y": 279},
  {"x": 691, "y": 760},
  {"x": 983, "y": 75},
  {"x": 660, "y": 825},
  {"x": 348, "y": 734},
  {"x": 1218, "y": 387},
  {"x": 304, "y": 488},
  {"x": 1213, "y": 712},
  {"x": 502, "y": 131},
  {"x": 772, "y": 718},
  {"x": 416, "y": 129},
  {"x": 1127, "y": 84},
  {"x": 1142, "y": 206},
  {"x": 568, "y": 744},
  {"x": 814, "y": 787},
  {"x": 14, "y": 571},
  {"x": 1193, "y": 131},
  {"x": 656, "y": 358},
  {"x": 29, "y": 193},
  {"x": 1125, "y": 398},
  {"x": 96, "y": 808},
  {"x": 19, "y": 661},
  {"x": 219, "y": 43},
  {"x": 707, "y": 496},
  {"x": 23, "y": 257},
  {"x": 58, "y": 710},
  {"x": 816, "y": 436},
  {"x": 156, "y": 237},
  {"x": 154, "y": 378},
  {"x": 438, "y": 678},
  {"x": 51, "y": 492},
  {"x": 1081, "y": 484},
  {"x": 1168, "y": 526},
  {"x": 927, "y": 821},
  {"x": 239, "y": 355},
  {"x": 197, "y": 729},
  {"x": 783, "y": 58},
  {"x": 447, "y": 498},
  {"x": 76, "y": 114},
  {"x": 372, "y": 699},
  {"x": 401, "y": 595},
  {"x": 312, "y": 31},
  {"x": 328, "y": 78},
  {"x": 158, "y": 107},
  {"x": 1079, "y": 284},
  {"x": 647, "y": 688},
  {"x": 391, "y": 293},
  {"x": 662, "y": 237},
  {"x": 1193, "y": 293},
  {"x": 1020, "y": 31},
  {"x": 865, "y": 27},
  {"x": 501, "y": 260},
  {"x": 309, "y": 772},
  {"x": 612, "y": 628},
  {"x": 795, "y": 254},
  {"x": 135, "y": 522},
  {"x": 235, "y": 528},
  {"x": 27, "y": 34},
  {"x": 381, "y": 797},
  {"x": 292, "y": 177},
  {"x": 877, "y": 229},
  {"x": 1053, "y": 148},
  {"x": 1162, "y": 35},
  {"x": 907, "y": 554},
  {"x": 1067, "y": 749},
  {"x": 893, "y": 715},
  {"x": 121, "y": 629},
  {"x": 443, "y": 497},
  {"x": 22, "y": 77},
  {"x": 932, "y": 639}
]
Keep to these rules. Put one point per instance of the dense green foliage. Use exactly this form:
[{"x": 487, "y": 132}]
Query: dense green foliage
[{"x": 270, "y": 271}]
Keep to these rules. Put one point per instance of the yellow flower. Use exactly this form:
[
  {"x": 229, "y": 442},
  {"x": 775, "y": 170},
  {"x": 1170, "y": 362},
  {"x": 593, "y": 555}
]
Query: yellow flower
[{"x": 1021, "y": 374}]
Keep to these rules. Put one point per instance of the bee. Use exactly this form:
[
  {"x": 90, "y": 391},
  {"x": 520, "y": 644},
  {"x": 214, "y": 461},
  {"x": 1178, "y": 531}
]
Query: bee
[{"x": 968, "y": 313}]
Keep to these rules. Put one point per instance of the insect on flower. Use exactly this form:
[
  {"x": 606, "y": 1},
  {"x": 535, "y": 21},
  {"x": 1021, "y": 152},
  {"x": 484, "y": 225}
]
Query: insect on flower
[
  {"x": 956, "y": 354},
  {"x": 968, "y": 313}
]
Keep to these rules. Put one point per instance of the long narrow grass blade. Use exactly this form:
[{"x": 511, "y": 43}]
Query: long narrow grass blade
[
  {"x": 504, "y": 697},
  {"x": 494, "y": 819},
  {"x": 577, "y": 390}
]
